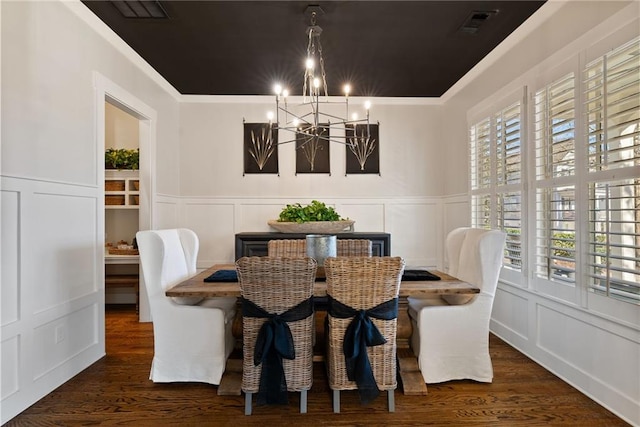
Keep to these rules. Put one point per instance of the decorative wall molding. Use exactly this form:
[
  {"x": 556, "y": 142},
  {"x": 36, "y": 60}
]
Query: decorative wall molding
[
  {"x": 558, "y": 336},
  {"x": 414, "y": 223},
  {"x": 65, "y": 320}
]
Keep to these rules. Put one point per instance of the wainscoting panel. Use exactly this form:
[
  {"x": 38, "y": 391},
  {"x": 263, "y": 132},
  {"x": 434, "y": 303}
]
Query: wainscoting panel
[
  {"x": 413, "y": 223},
  {"x": 367, "y": 217},
  {"x": 570, "y": 340},
  {"x": 52, "y": 286},
  {"x": 64, "y": 246},
  {"x": 596, "y": 355},
  {"x": 456, "y": 213},
  {"x": 64, "y": 338},
  {"x": 166, "y": 213},
  {"x": 213, "y": 223},
  {"x": 9, "y": 293},
  {"x": 414, "y": 228},
  {"x": 507, "y": 313},
  {"x": 10, "y": 366},
  {"x": 253, "y": 215}
]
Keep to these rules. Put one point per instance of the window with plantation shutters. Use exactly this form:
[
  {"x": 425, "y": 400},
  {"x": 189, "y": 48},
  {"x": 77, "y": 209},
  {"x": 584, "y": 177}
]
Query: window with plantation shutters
[
  {"x": 508, "y": 143},
  {"x": 554, "y": 131},
  {"x": 481, "y": 176},
  {"x": 556, "y": 234},
  {"x": 612, "y": 106},
  {"x": 481, "y": 211},
  {"x": 614, "y": 239},
  {"x": 612, "y": 109},
  {"x": 554, "y": 128},
  {"x": 480, "y": 150},
  {"x": 509, "y": 217},
  {"x": 496, "y": 177}
]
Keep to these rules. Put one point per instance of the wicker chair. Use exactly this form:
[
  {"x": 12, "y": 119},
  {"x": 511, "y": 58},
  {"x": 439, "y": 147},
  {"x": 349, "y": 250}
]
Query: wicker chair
[
  {"x": 276, "y": 286},
  {"x": 354, "y": 247},
  {"x": 298, "y": 247},
  {"x": 363, "y": 283},
  {"x": 291, "y": 248}
]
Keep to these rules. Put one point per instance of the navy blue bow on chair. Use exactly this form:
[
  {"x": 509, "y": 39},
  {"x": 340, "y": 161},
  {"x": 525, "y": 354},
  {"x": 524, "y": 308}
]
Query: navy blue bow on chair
[
  {"x": 274, "y": 342},
  {"x": 361, "y": 333}
]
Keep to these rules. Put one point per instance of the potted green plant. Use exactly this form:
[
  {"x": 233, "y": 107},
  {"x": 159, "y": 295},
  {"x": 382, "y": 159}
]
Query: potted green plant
[
  {"x": 122, "y": 158},
  {"x": 315, "y": 217}
]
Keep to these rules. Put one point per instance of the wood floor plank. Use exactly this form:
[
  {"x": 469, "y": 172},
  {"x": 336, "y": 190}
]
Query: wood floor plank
[{"x": 116, "y": 390}]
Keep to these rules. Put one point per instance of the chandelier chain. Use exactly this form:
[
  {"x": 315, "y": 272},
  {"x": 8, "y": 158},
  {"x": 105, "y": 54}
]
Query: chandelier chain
[{"x": 322, "y": 72}]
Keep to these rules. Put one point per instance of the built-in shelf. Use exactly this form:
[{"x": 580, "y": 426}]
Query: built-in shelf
[
  {"x": 122, "y": 189},
  {"x": 121, "y": 259}
]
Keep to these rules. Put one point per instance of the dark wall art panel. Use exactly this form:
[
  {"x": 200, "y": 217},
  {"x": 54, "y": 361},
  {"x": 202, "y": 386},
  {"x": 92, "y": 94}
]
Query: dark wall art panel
[
  {"x": 312, "y": 151},
  {"x": 260, "y": 148},
  {"x": 363, "y": 149}
]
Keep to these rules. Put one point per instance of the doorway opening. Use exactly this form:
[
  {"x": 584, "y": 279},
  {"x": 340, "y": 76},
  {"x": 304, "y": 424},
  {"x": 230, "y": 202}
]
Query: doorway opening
[
  {"x": 124, "y": 122},
  {"x": 122, "y": 201}
]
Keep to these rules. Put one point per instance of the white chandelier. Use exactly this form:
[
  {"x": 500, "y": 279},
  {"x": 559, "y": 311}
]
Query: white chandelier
[{"x": 308, "y": 125}]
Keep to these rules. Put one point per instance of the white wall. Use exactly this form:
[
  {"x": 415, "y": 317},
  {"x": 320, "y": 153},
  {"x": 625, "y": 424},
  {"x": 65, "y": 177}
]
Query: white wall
[
  {"x": 218, "y": 201},
  {"x": 52, "y": 290},
  {"x": 590, "y": 345},
  {"x": 211, "y": 143},
  {"x": 120, "y": 128}
]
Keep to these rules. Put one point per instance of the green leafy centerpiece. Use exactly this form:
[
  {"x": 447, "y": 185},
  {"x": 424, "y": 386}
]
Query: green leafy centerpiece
[{"x": 315, "y": 217}]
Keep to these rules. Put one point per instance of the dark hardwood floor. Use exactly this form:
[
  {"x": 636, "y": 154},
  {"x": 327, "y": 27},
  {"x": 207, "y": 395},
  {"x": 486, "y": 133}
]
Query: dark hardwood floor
[{"x": 116, "y": 391}]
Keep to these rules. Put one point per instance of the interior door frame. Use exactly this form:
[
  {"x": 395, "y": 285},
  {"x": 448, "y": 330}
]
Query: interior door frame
[{"x": 108, "y": 91}]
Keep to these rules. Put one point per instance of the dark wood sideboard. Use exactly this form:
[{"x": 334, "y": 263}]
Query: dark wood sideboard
[{"x": 255, "y": 244}]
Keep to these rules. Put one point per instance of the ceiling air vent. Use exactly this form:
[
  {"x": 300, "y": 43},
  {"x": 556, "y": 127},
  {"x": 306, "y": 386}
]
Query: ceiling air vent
[
  {"x": 140, "y": 9},
  {"x": 475, "y": 20}
]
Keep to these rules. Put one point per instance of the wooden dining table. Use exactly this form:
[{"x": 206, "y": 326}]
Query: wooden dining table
[
  {"x": 413, "y": 383},
  {"x": 195, "y": 286}
]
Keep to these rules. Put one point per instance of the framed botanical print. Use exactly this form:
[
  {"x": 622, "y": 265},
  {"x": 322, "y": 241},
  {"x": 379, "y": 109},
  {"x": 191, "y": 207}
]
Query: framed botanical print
[
  {"x": 260, "y": 148},
  {"x": 312, "y": 150},
  {"x": 363, "y": 149}
]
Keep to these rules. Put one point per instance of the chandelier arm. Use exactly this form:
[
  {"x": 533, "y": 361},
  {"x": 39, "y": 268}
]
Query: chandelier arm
[
  {"x": 320, "y": 137},
  {"x": 286, "y": 142}
]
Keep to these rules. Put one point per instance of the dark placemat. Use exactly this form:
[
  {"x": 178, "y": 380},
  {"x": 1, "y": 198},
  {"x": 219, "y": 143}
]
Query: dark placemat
[
  {"x": 416, "y": 275},
  {"x": 223, "y": 276}
]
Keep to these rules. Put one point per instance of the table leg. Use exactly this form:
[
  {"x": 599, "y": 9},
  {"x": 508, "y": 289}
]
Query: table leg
[{"x": 412, "y": 382}]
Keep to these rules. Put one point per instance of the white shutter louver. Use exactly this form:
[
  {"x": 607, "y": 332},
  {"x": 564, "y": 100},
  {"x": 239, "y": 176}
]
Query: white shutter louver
[
  {"x": 554, "y": 128},
  {"x": 508, "y": 145},
  {"x": 612, "y": 103},
  {"x": 556, "y": 234},
  {"x": 480, "y": 150},
  {"x": 614, "y": 238},
  {"x": 509, "y": 211}
]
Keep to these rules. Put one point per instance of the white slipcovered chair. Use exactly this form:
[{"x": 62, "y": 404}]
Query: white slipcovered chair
[
  {"x": 452, "y": 341},
  {"x": 192, "y": 338}
]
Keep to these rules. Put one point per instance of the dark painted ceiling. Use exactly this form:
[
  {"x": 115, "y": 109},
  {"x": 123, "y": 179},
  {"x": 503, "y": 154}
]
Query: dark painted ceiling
[{"x": 383, "y": 48}]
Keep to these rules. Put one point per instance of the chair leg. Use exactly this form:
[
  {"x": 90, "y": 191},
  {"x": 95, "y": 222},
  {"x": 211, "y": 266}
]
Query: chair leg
[
  {"x": 391, "y": 401},
  {"x": 336, "y": 401},
  {"x": 247, "y": 403},
  {"x": 303, "y": 402}
]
